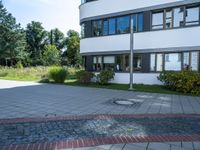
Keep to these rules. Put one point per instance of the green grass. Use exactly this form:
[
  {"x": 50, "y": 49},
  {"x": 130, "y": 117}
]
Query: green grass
[
  {"x": 35, "y": 74},
  {"x": 137, "y": 87}
]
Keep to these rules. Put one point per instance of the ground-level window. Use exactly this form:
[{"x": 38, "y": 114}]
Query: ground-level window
[
  {"x": 194, "y": 61},
  {"x": 173, "y": 62},
  {"x": 122, "y": 63},
  {"x": 97, "y": 63},
  {"x": 159, "y": 62},
  {"x": 109, "y": 63},
  {"x": 137, "y": 62}
]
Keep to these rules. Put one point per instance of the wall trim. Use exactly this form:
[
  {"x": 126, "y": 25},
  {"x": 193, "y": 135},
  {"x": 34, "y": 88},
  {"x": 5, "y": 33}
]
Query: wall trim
[
  {"x": 155, "y": 50},
  {"x": 173, "y": 4}
]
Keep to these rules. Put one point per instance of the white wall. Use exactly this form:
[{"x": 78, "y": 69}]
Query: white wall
[
  {"x": 102, "y": 7},
  {"x": 139, "y": 78},
  {"x": 106, "y": 43},
  {"x": 185, "y": 37}
]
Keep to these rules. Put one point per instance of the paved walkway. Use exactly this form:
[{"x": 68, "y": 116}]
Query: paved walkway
[{"x": 29, "y": 100}]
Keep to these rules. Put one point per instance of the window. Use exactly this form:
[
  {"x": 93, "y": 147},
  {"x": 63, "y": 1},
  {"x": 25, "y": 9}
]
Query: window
[
  {"x": 159, "y": 62},
  {"x": 97, "y": 63},
  {"x": 122, "y": 63},
  {"x": 153, "y": 62},
  {"x": 97, "y": 28},
  {"x": 173, "y": 62},
  {"x": 112, "y": 26},
  {"x": 105, "y": 27},
  {"x": 137, "y": 63},
  {"x": 168, "y": 19},
  {"x": 109, "y": 63},
  {"x": 123, "y": 24},
  {"x": 195, "y": 61},
  {"x": 178, "y": 17},
  {"x": 82, "y": 30},
  {"x": 186, "y": 60},
  {"x": 140, "y": 23},
  {"x": 157, "y": 20},
  {"x": 134, "y": 23},
  {"x": 192, "y": 16}
]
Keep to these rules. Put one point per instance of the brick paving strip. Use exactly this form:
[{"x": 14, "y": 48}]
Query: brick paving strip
[{"x": 94, "y": 130}]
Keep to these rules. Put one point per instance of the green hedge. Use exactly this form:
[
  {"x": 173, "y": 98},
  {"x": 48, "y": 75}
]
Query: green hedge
[
  {"x": 105, "y": 76},
  {"x": 185, "y": 81},
  {"x": 58, "y": 74},
  {"x": 84, "y": 76}
]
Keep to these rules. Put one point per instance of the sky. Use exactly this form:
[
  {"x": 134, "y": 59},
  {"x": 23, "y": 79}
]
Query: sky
[{"x": 61, "y": 14}]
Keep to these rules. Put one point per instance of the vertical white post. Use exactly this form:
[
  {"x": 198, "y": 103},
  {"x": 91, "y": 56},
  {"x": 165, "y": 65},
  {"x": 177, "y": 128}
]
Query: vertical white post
[{"x": 131, "y": 54}]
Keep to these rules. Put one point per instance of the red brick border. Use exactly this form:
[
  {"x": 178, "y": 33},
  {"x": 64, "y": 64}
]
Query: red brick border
[
  {"x": 100, "y": 140},
  {"x": 100, "y": 116}
]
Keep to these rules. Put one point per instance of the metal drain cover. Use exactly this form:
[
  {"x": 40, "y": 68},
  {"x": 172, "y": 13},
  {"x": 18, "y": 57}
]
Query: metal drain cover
[
  {"x": 127, "y": 102},
  {"x": 124, "y": 102}
]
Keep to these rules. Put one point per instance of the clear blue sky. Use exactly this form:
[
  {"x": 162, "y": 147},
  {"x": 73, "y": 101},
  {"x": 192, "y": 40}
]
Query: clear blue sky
[{"x": 63, "y": 14}]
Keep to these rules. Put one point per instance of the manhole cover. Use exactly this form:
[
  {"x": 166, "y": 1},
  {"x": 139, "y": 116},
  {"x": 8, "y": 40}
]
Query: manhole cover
[
  {"x": 127, "y": 102},
  {"x": 123, "y": 102}
]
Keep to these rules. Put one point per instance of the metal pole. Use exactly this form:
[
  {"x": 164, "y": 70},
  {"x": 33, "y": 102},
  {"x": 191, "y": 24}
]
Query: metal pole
[{"x": 131, "y": 54}]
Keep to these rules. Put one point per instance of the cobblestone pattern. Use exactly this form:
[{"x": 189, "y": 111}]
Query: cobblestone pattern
[{"x": 101, "y": 130}]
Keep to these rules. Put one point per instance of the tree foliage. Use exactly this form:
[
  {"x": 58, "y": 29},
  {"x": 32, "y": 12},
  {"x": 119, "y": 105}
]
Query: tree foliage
[
  {"x": 51, "y": 55},
  {"x": 57, "y": 38},
  {"x": 12, "y": 38},
  {"x": 36, "y": 38},
  {"x": 73, "y": 48}
]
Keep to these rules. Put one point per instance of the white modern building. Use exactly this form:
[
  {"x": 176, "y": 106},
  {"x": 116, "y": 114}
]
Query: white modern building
[{"x": 166, "y": 37}]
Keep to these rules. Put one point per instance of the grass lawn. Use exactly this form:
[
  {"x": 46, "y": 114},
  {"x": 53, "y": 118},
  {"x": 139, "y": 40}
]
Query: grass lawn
[
  {"x": 35, "y": 74},
  {"x": 137, "y": 87}
]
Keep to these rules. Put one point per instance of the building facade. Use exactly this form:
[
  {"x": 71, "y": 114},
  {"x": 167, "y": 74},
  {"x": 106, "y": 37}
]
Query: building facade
[{"x": 166, "y": 37}]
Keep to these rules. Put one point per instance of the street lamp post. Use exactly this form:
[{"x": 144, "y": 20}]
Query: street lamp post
[{"x": 131, "y": 54}]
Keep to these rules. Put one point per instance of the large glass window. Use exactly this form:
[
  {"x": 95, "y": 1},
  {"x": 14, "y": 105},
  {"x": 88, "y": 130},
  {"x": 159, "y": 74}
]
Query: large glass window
[
  {"x": 159, "y": 63},
  {"x": 192, "y": 16},
  {"x": 122, "y": 63},
  {"x": 195, "y": 61},
  {"x": 112, "y": 26},
  {"x": 134, "y": 23},
  {"x": 105, "y": 27},
  {"x": 157, "y": 20},
  {"x": 186, "y": 60},
  {"x": 97, "y": 28},
  {"x": 168, "y": 19},
  {"x": 178, "y": 17},
  {"x": 153, "y": 62},
  {"x": 82, "y": 30},
  {"x": 109, "y": 63},
  {"x": 140, "y": 22},
  {"x": 173, "y": 62},
  {"x": 97, "y": 63},
  {"x": 123, "y": 24},
  {"x": 137, "y": 62}
]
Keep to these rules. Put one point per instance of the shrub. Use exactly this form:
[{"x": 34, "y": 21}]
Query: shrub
[
  {"x": 105, "y": 76},
  {"x": 84, "y": 76},
  {"x": 58, "y": 74},
  {"x": 186, "y": 81},
  {"x": 19, "y": 65}
]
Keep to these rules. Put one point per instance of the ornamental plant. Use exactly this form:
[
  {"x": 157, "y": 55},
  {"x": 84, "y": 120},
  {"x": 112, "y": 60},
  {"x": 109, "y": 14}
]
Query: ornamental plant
[
  {"x": 186, "y": 81},
  {"x": 105, "y": 76},
  {"x": 84, "y": 76},
  {"x": 58, "y": 74}
]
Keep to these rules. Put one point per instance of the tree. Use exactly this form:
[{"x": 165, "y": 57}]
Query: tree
[
  {"x": 57, "y": 38},
  {"x": 12, "y": 38},
  {"x": 36, "y": 38},
  {"x": 73, "y": 48},
  {"x": 51, "y": 55}
]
